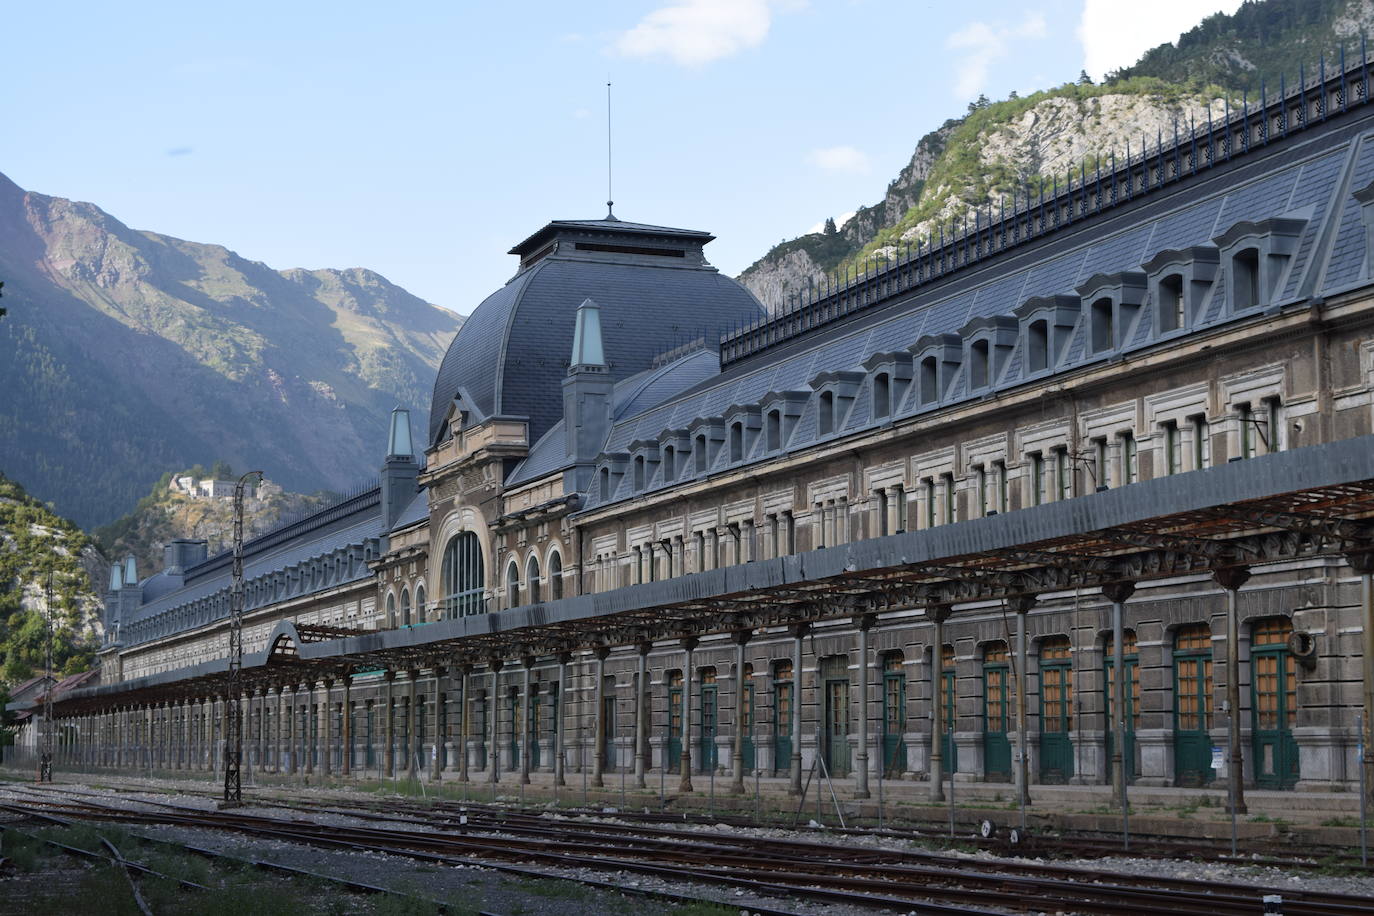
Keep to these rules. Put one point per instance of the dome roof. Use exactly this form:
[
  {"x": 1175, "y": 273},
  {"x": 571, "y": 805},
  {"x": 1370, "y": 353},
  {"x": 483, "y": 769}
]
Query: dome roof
[{"x": 653, "y": 285}]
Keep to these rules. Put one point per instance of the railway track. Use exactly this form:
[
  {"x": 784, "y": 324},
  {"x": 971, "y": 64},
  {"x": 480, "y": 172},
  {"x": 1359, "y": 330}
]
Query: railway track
[
  {"x": 858, "y": 876},
  {"x": 1055, "y": 844}
]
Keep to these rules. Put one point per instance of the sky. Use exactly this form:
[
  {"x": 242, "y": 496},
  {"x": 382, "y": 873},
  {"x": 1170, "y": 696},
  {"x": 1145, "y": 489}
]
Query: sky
[{"x": 423, "y": 140}]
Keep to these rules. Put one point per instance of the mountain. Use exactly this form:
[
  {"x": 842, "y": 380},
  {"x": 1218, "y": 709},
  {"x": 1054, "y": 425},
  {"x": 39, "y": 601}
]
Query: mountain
[
  {"x": 34, "y": 542},
  {"x": 1000, "y": 151},
  {"x": 1258, "y": 42},
  {"x": 126, "y": 354},
  {"x": 168, "y": 512}
]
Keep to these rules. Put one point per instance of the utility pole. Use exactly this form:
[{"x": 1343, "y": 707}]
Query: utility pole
[
  {"x": 45, "y": 761},
  {"x": 233, "y": 713}
]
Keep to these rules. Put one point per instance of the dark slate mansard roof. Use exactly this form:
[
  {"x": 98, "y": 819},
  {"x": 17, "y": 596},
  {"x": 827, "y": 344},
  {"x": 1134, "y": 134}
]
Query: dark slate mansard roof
[
  {"x": 652, "y": 283},
  {"x": 1305, "y": 184}
]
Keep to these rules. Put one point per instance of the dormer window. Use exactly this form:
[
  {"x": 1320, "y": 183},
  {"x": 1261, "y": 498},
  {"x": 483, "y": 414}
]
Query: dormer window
[
  {"x": 699, "y": 454},
  {"x": 1257, "y": 255},
  {"x": 736, "y": 442},
  {"x": 1245, "y": 278},
  {"x": 1102, "y": 331},
  {"x": 882, "y": 395},
  {"x": 605, "y": 484},
  {"x": 639, "y": 472},
  {"x": 669, "y": 464},
  {"x": 930, "y": 380},
  {"x": 826, "y": 413},
  {"x": 978, "y": 364},
  {"x": 1171, "y": 303},
  {"x": 774, "y": 430},
  {"x": 1038, "y": 346}
]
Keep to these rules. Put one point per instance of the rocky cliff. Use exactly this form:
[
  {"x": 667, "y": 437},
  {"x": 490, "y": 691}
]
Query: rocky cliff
[{"x": 1009, "y": 148}]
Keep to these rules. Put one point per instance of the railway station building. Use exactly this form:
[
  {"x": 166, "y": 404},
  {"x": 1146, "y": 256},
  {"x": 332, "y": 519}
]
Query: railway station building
[{"x": 1059, "y": 500}]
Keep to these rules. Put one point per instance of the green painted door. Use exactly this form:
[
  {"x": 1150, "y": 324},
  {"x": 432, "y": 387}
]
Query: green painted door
[
  {"x": 782, "y": 718},
  {"x": 706, "y": 745},
  {"x": 996, "y": 747},
  {"x": 1056, "y": 712},
  {"x": 1193, "y": 706},
  {"x": 894, "y": 715},
  {"x": 1132, "y": 703},
  {"x": 675, "y": 722},
  {"x": 836, "y": 730},
  {"x": 1274, "y": 702}
]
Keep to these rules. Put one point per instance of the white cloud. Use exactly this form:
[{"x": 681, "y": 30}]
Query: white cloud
[
  {"x": 1114, "y": 33},
  {"x": 839, "y": 159},
  {"x": 696, "y": 32},
  {"x": 984, "y": 43}
]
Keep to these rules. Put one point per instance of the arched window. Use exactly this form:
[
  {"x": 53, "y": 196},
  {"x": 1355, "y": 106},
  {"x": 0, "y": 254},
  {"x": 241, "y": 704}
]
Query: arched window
[
  {"x": 639, "y": 473},
  {"x": 390, "y": 609},
  {"x": 405, "y": 607},
  {"x": 420, "y": 604},
  {"x": 462, "y": 578},
  {"x": 555, "y": 576},
  {"x": 512, "y": 585},
  {"x": 736, "y": 441},
  {"x": 605, "y": 484},
  {"x": 699, "y": 454},
  {"x": 532, "y": 579},
  {"x": 669, "y": 464},
  {"x": 774, "y": 430}
]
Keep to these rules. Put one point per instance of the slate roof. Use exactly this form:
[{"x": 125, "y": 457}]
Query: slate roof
[
  {"x": 1301, "y": 180},
  {"x": 331, "y": 541},
  {"x": 630, "y": 397},
  {"x": 511, "y": 354}
]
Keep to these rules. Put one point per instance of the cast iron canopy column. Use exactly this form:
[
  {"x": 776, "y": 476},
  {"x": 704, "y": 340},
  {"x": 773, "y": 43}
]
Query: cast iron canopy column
[
  {"x": 1021, "y": 605},
  {"x": 1118, "y": 593},
  {"x": 526, "y": 728},
  {"x": 327, "y": 726},
  {"x": 737, "y": 763},
  {"x": 798, "y": 634},
  {"x": 494, "y": 705},
  {"x": 309, "y": 736},
  {"x": 346, "y": 751},
  {"x": 864, "y": 623},
  {"x": 560, "y": 757},
  {"x": 1363, "y": 563},
  {"x": 599, "y": 745},
  {"x": 412, "y": 749},
  {"x": 685, "y": 785},
  {"x": 436, "y": 768},
  {"x": 1232, "y": 578},
  {"x": 389, "y": 733},
  {"x": 642, "y": 715},
  {"x": 938, "y": 614}
]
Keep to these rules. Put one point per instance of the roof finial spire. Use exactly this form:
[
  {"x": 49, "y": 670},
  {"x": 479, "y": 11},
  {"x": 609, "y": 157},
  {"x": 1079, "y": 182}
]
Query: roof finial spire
[{"x": 610, "y": 203}]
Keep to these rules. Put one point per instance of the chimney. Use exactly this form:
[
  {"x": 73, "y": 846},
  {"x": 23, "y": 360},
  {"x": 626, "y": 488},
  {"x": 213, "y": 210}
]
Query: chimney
[
  {"x": 112, "y": 603},
  {"x": 183, "y": 553},
  {"x": 586, "y": 395},
  {"x": 400, "y": 473}
]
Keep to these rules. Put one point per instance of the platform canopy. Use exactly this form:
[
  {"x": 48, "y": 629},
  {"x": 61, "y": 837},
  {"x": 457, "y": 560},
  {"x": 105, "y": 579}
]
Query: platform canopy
[{"x": 1306, "y": 503}]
